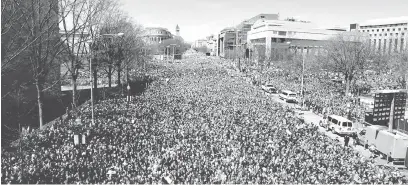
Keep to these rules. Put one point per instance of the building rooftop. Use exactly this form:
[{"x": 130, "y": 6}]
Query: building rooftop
[
  {"x": 287, "y": 24},
  {"x": 392, "y": 20},
  {"x": 152, "y": 28}
]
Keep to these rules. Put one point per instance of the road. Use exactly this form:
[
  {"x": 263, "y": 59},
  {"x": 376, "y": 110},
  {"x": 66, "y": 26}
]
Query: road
[{"x": 313, "y": 118}]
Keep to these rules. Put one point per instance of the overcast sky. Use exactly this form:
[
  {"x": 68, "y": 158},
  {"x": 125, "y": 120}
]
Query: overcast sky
[{"x": 200, "y": 18}]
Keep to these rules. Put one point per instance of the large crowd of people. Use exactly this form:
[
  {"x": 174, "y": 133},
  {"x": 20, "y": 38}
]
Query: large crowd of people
[{"x": 194, "y": 124}]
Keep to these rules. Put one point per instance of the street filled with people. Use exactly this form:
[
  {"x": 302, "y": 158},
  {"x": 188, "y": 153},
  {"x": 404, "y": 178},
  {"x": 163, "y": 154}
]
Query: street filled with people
[{"x": 194, "y": 124}]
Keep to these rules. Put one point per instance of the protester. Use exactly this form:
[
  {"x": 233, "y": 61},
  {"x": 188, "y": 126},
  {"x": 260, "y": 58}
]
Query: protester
[{"x": 202, "y": 126}]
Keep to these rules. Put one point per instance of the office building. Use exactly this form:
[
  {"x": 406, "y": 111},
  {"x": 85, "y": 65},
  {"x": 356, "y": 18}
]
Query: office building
[
  {"x": 290, "y": 34},
  {"x": 212, "y": 44},
  {"x": 230, "y": 37},
  {"x": 386, "y": 35}
]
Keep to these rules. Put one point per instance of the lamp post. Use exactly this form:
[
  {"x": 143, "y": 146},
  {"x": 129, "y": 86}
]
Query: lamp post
[{"x": 303, "y": 74}]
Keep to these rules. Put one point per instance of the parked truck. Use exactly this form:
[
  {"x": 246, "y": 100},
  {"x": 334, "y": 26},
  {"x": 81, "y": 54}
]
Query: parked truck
[{"x": 392, "y": 144}]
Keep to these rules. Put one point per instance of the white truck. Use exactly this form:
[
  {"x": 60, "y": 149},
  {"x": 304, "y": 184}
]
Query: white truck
[{"x": 392, "y": 144}]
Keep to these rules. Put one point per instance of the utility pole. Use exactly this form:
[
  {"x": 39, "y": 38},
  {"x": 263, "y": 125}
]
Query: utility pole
[
  {"x": 91, "y": 83},
  {"x": 391, "y": 121},
  {"x": 303, "y": 74},
  {"x": 237, "y": 49}
]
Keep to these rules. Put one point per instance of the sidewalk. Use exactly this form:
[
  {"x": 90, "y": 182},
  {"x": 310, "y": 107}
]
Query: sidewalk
[{"x": 82, "y": 87}]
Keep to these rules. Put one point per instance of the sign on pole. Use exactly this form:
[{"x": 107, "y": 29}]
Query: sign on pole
[
  {"x": 76, "y": 139},
  {"x": 389, "y": 105}
]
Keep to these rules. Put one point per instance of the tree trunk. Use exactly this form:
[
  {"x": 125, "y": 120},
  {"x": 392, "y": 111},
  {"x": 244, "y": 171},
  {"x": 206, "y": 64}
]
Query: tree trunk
[
  {"x": 119, "y": 71},
  {"x": 95, "y": 82},
  {"x": 110, "y": 76},
  {"x": 74, "y": 93},
  {"x": 39, "y": 87},
  {"x": 348, "y": 83}
]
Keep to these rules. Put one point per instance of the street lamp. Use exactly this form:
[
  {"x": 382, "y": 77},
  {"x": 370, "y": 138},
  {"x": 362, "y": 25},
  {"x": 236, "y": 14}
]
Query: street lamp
[
  {"x": 303, "y": 74},
  {"x": 90, "y": 77}
]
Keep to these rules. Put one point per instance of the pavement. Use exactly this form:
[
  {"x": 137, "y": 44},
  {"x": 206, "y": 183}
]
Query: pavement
[{"x": 82, "y": 87}]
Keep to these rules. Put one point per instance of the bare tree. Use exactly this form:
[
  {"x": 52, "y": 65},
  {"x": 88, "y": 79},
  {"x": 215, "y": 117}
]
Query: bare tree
[
  {"x": 398, "y": 66},
  {"x": 348, "y": 54},
  {"x": 78, "y": 17},
  {"x": 31, "y": 41}
]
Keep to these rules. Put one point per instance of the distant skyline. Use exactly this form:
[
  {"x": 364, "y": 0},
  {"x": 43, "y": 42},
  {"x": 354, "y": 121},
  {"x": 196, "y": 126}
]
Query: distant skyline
[{"x": 200, "y": 18}]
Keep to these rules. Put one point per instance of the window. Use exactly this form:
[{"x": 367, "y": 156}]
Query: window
[
  {"x": 402, "y": 33},
  {"x": 378, "y": 30},
  {"x": 390, "y": 34},
  {"x": 375, "y": 35},
  {"x": 405, "y": 28},
  {"x": 334, "y": 121},
  {"x": 399, "y": 29},
  {"x": 388, "y": 29},
  {"x": 382, "y": 29},
  {"x": 379, "y": 45},
  {"x": 385, "y": 34},
  {"x": 380, "y": 35},
  {"x": 372, "y": 30},
  {"x": 393, "y": 29},
  {"x": 370, "y": 35},
  {"x": 262, "y": 16},
  {"x": 396, "y": 34},
  {"x": 402, "y": 44}
]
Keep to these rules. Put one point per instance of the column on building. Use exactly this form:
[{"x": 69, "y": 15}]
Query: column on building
[{"x": 268, "y": 47}]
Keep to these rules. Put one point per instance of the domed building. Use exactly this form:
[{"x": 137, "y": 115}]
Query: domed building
[
  {"x": 159, "y": 39},
  {"x": 154, "y": 35}
]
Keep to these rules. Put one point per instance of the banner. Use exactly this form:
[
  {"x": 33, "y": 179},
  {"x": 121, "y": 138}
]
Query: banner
[
  {"x": 76, "y": 139},
  {"x": 83, "y": 139}
]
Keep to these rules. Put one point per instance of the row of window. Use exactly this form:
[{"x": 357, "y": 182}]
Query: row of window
[
  {"x": 386, "y": 118},
  {"x": 385, "y": 34},
  {"x": 388, "y": 29},
  {"x": 383, "y": 26},
  {"x": 158, "y": 32},
  {"x": 157, "y": 39}
]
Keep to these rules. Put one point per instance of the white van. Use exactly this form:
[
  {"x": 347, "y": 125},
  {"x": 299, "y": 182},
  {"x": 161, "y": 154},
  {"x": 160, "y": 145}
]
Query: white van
[
  {"x": 340, "y": 125},
  {"x": 288, "y": 96}
]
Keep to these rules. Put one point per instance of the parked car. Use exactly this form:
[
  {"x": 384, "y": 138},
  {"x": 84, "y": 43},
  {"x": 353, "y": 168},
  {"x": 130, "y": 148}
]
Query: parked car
[
  {"x": 269, "y": 88},
  {"x": 288, "y": 96}
]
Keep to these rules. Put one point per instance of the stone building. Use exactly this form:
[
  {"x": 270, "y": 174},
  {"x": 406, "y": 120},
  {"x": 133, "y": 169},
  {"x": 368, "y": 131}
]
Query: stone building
[
  {"x": 284, "y": 34},
  {"x": 155, "y": 35},
  {"x": 229, "y": 38},
  {"x": 386, "y": 35}
]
